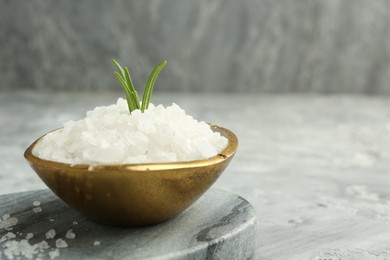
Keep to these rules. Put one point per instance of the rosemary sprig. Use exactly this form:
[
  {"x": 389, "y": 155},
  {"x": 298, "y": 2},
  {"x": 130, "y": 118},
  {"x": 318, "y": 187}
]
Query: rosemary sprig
[
  {"x": 125, "y": 81},
  {"x": 150, "y": 84}
]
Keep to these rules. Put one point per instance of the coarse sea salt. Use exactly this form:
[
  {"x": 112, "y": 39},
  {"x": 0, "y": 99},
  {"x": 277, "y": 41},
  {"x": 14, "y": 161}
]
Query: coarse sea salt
[
  {"x": 29, "y": 236},
  {"x": 8, "y": 222},
  {"x": 60, "y": 243},
  {"x": 70, "y": 234},
  {"x": 37, "y": 209},
  {"x": 15, "y": 246},
  {"x": 54, "y": 253},
  {"x": 50, "y": 234},
  {"x": 111, "y": 135}
]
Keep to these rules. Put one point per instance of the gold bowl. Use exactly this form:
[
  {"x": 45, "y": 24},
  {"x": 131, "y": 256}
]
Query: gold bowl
[{"x": 133, "y": 194}]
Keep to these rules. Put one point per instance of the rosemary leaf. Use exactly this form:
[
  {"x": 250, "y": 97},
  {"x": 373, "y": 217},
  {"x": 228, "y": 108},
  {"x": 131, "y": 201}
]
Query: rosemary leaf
[
  {"x": 130, "y": 85},
  {"x": 130, "y": 102},
  {"x": 127, "y": 85},
  {"x": 150, "y": 84},
  {"x": 119, "y": 67}
]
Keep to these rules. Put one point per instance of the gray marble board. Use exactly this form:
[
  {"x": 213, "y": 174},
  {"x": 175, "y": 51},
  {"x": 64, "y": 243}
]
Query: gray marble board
[{"x": 38, "y": 225}]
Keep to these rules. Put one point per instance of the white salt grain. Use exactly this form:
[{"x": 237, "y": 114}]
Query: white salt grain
[
  {"x": 15, "y": 247},
  {"x": 7, "y": 236},
  {"x": 22, "y": 248},
  {"x": 36, "y": 203},
  {"x": 96, "y": 243},
  {"x": 29, "y": 236},
  {"x": 6, "y": 216},
  {"x": 8, "y": 222},
  {"x": 50, "y": 234},
  {"x": 37, "y": 209},
  {"x": 60, "y": 243},
  {"x": 53, "y": 254},
  {"x": 111, "y": 135},
  {"x": 75, "y": 223},
  {"x": 70, "y": 234}
]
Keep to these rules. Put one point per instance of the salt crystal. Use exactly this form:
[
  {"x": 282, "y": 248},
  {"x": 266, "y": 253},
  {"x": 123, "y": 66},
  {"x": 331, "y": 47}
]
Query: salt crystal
[
  {"x": 96, "y": 243},
  {"x": 204, "y": 147},
  {"x": 50, "y": 234},
  {"x": 70, "y": 234},
  {"x": 60, "y": 243},
  {"x": 6, "y": 216},
  {"x": 37, "y": 203},
  {"x": 75, "y": 223},
  {"x": 111, "y": 135},
  {"x": 7, "y": 236},
  {"x": 53, "y": 254},
  {"x": 8, "y": 222},
  {"x": 42, "y": 245},
  {"x": 29, "y": 236},
  {"x": 37, "y": 209},
  {"x": 22, "y": 248},
  {"x": 13, "y": 248}
]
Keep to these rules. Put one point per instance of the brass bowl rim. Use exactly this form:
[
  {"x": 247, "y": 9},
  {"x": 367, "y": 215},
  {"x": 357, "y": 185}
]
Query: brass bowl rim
[{"x": 226, "y": 153}]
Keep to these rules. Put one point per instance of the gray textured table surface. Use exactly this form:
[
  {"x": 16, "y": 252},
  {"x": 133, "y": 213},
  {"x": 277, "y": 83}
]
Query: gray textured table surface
[
  {"x": 316, "y": 169},
  {"x": 220, "y": 225}
]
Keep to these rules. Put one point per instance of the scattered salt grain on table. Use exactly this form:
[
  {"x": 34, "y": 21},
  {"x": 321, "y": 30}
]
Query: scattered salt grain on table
[
  {"x": 70, "y": 234},
  {"x": 8, "y": 222},
  {"x": 23, "y": 249},
  {"x": 50, "y": 234},
  {"x": 60, "y": 243},
  {"x": 53, "y": 254},
  {"x": 111, "y": 135},
  {"x": 29, "y": 236},
  {"x": 37, "y": 209},
  {"x": 15, "y": 246},
  {"x": 36, "y": 203},
  {"x": 7, "y": 236},
  {"x": 96, "y": 243}
]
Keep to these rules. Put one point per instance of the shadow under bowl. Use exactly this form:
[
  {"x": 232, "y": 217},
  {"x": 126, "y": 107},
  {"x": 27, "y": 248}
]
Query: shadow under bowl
[{"x": 133, "y": 194}]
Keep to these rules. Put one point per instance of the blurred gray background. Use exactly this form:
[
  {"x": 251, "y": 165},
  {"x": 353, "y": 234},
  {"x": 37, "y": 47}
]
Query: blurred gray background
[{"x": 315, "y": 46}]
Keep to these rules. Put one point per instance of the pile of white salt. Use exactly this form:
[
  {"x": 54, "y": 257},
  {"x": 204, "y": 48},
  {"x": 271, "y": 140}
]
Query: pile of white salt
[{"x": 111, "y": 135}]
